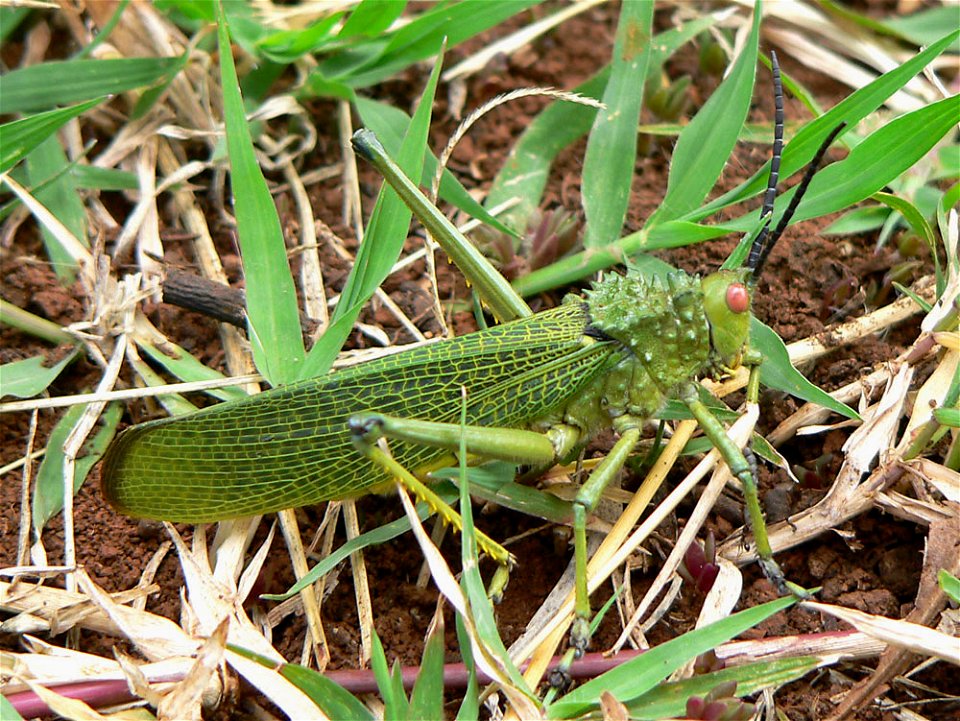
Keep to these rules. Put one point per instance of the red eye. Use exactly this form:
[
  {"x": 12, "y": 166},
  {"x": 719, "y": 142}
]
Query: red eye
[{"x": 738, "y": 298}]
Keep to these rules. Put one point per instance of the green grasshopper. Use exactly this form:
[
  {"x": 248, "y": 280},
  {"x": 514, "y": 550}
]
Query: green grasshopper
[{"x": 538, "y": 389}]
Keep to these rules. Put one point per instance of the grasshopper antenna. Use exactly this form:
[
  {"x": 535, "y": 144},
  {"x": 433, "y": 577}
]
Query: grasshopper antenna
[
  {"x": 765, "y": 240},
  {"x": 759, "y": 248}
]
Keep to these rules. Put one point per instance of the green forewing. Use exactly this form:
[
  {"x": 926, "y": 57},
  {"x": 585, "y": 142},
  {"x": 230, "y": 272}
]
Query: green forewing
[{"x": 291, "y": 446}]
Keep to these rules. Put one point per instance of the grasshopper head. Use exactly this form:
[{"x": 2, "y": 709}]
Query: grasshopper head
[{"x": 726, "y": 302}]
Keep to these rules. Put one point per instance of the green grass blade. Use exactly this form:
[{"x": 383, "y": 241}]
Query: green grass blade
[
  {"x": 560, "y": 124},
  {"x": 875, "y": 162},
  {"x": 10, "y": 19},
  {"x": 104, "y": 31},
  {"x": 859, "y": 220},
  {"x": 20, "y": 137},
  {"x": 470, "y": 707},
  {"x": 286, "y": 46},
  {"x": 399, "y": 705},
  {"x": 273, "y": 316},
  {"x": 44, "y": 86},
  {"x": 173, "y": 403},
  {"x": 386, "y": 231},
  {"x": 421, "y": 39},
  {"x": 915, "y": 219},
  {"x": 704, "y": 146},
  {"x": 185, "y": 367},
  {"x": 46, "y": 166},
  {"x": 926, "y": 26},
  {"x": 494, "y": 482},
  {"x": 32, "y": 324},
  {"x": 390, "y": 220},
  {"x": 851, "y": 110},
  {"x": 331, "y": 698},
  {"x": 426, "y": 698},
  {"x": 390, "y": 124},
  {"x": 91, "y": 177},
  {"x": 880, "y": 158},
  {"x": 950, "y": 584},
  {"x": 669, "y": 699},
  {"x": 644, "y": 672},
  {"x": 371, "y": 18},
  {"x": 334, "y": 700},
  {"x": 608, "y": 165},
  {"x": 481, "y": 608},
  {"x": 48, "y": 491},
  {"x": 776, "y": 371},
  {"x": 524, "y": 174},
  {"x": 381, "y": 672},
  {"x": 29, "y": 377}
]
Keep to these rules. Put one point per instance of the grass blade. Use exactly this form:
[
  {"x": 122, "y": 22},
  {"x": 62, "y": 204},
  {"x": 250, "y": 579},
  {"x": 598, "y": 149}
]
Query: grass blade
[
  {"x": 48, "y": 492},
  {"x": 776, "y": 371},
  {"x": 381, "y": 246},
  {"x": 29, "y": 377},
  {"x": 56, "y": 190},
  {"x": 524, "y": 174},
  {"x": 185, "y": 367},
  {"x": 421, "y": 39},
  {"x": 612, "y": 148},
  {"x": 876, "y": 161},
  {"x": 20, "y": 137},
  {"x": 851, "y": 110},
  {"x": 644, "y": 672},
  {"x": 704, "y": 146},
  {"x": 273, "y": 316},
  {"x": 426, "y": 698},
  {"x": 668, "y": 700},
  {"x": 44, "y": 86},
  {"x": 560, "y": 124}
]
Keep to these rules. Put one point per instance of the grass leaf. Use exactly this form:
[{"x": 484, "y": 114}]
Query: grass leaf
[
  {"x": 185, "y": 367},
  {"x": 48, "y": 491},
  {"x": 776, "y": 371},
  {"x": 851, "y": 110},
  {"x": 419, "y": 39},
  {"x": 426, "y": 698},
  {"x": 273, "y": 316},
  {"x": 669, "y": 699},
  {"x": 19, "y": 137},
  {"x": 608, "y": 165},
  {"x": 705, "y": 144},
  {"x": 56, "y": 190},
  {"x": 383, "y": 241},
  {"x": 46, "y": 85},
  {"x": 29, "y": 377},
  {"x": 643, "y": 673}
]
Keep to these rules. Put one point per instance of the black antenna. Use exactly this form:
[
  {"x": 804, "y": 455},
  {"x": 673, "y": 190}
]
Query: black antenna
[
  {"x": 765, "y": 240},
  {"x": 759, "y": 247}
]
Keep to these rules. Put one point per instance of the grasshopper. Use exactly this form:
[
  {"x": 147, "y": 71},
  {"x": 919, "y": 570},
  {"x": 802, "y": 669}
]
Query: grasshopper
[{"x": 538, "y": 389}]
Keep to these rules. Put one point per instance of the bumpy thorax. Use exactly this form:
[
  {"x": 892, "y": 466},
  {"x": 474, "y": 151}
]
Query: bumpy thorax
[{"x": 663, "y": 332}]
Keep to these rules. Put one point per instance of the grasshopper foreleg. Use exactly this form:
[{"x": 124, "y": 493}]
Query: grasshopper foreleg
[
  {"x": 745, "y": 472},
  {"x": 584, "y": 503}
]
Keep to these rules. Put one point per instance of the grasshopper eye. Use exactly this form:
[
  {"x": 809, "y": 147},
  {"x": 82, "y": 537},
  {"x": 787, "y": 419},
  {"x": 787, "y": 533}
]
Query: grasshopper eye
[{"x": 738, "y": 298}]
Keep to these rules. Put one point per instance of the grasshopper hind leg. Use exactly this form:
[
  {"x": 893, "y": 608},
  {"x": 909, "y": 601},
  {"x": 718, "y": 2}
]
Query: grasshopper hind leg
[{"x": 365, "y": 432}]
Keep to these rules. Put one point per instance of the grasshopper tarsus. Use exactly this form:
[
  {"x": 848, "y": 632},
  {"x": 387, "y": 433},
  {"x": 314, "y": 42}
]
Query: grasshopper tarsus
[{"x": 364, "y": 141}]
